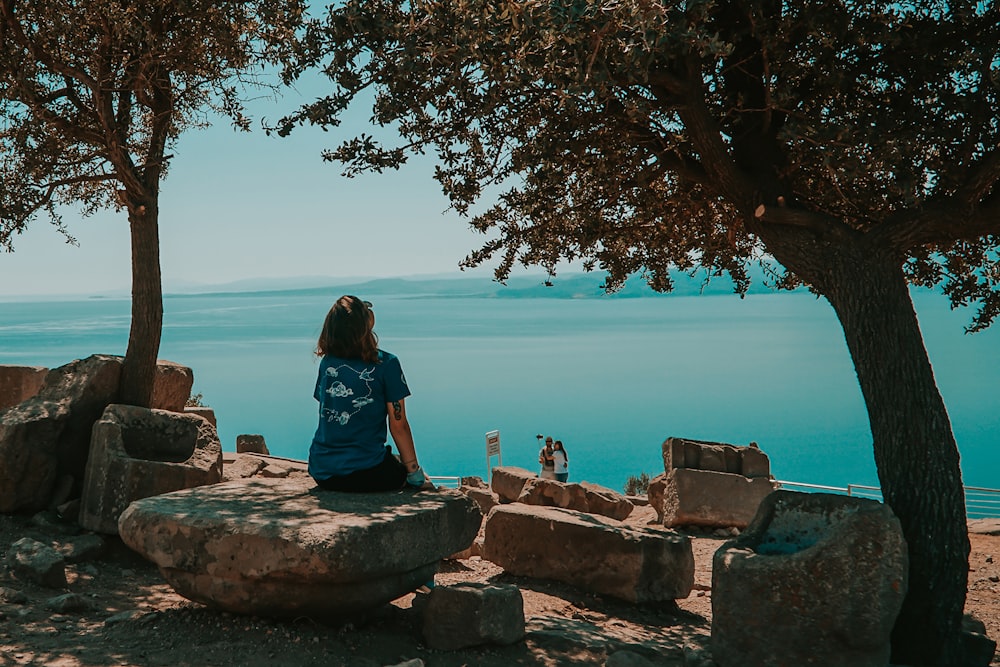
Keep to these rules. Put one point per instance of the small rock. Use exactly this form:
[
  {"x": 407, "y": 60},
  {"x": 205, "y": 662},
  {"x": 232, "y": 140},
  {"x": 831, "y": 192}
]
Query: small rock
[
  {"x": 84, "y": 547},
  {"x": 68, "y": 602},
  {"x": 12, "y": 595},
  {"x": 37, "y": 562},
  {"x": 415, "y": 662}
]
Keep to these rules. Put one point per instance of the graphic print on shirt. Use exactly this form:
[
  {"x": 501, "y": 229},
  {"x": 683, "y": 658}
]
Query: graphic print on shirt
[{"x": 338, "y": 389}]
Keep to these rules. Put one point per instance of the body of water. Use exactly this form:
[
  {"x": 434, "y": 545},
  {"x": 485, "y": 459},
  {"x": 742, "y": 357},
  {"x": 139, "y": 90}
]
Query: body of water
[{"x": 611, "y": 378}]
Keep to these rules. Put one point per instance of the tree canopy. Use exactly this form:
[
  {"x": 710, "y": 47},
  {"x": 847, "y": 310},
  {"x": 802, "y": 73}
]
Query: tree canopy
[
  {"x": 642, "y": 135},
  {"x": 856, "y": 143},
  {"x": 93, "y": 96}
]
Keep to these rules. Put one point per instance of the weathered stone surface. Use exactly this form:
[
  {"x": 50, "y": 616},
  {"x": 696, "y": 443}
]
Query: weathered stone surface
[
  {"x": 29, "y": 434},
  {"x": 657, "y": 486},
  {"x": 830, "y": 571},
  {"x": 251, "y": 443},
  {"x": 592, "y": 552},
  {"x": 82, "y": 548},
  {"x": 242, "y": 466},
  {"x": 86, "y": 386},
  {"x": 202, "y": 411},
  {"x": 754, "y": 462},
  {"x": 138, "y": 453},
  {"x": 48, "y": 435},
  {"x": 19, "y": 383},
  {"x": 171, "y": 386},
  {"x": 287, "y": 548},
  {"x": 508, "y": 482},
  {"x": 978, "y": 648},
  {"x": 712, "y": 499},
  {"x": 519, "y": 485},
  {"x": 485, "y": 499},
  {"x": 715, "y": 456},
  {"x": 602, "y": 500},
  {"x": 473, "y": 614},
  {"x": 31, "y": 560}
]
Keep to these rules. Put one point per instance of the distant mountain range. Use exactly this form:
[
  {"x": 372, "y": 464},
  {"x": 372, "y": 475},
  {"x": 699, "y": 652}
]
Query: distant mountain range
[{"x": 563, "y": 286}]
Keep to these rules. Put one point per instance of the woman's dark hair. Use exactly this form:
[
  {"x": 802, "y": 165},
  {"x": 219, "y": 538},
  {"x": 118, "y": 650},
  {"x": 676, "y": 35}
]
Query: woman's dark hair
[
  {"x": 347, "y": 331},
  {"x": 562, "y": 447}
]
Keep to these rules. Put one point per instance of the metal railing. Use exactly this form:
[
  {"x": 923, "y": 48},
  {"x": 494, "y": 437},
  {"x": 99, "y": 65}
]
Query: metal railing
[
  {"x": 980, "y": 502},
  {"x": 446, "y": 482}
]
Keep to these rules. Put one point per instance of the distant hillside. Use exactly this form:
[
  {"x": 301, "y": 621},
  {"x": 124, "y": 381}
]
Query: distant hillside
[{"x": 568, "y": 286}]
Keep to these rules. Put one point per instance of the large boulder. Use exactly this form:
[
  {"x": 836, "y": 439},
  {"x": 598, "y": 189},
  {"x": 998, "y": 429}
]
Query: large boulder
[
  {"x": 48, "y": 435},
  {"x": 19, "y": 383},
  {"x": 136, "y": 453},
  {"x": 815, "y": 579},
  {"x": 522, "y": 486},
  {"x": 283, "y": 547},
  {"x": 591, "y": 552}
]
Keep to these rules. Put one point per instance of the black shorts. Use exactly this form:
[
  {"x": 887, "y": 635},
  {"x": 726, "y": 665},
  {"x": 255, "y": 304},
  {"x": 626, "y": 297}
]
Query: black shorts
[{"x": 389, "y": 475}]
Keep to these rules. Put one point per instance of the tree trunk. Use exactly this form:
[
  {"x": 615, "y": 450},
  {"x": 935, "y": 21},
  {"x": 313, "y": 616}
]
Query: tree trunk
[
  {"x": 139, "y": 369},
  {"x": 915, "y": 450}
]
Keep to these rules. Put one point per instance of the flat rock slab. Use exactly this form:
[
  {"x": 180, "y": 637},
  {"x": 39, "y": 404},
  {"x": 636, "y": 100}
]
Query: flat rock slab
[
  {"x": 283, "y": 547},
  {"x": 591, "y": 552}
]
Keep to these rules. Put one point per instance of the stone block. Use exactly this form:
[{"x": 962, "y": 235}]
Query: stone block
[
  {"x": 138, "y": 453},
  {"x": 583, "y": 497},
  {"x": 171, "y": 386},
  {"x": 815, "y": 579},
  {"x": 473, "y": 614},
  {"x": 712, "y": 499},
  {"x": 29, "y": 457},
  {"x": 85, "y": 387},
  {"x": 592, "y": 552},
  {"x": 251, "y": 443},
  {"x": 19, "y": 383},
  {"x": 508, "y": 482},
  {"x": 288, "y": 548},
  {"x": 754, "y": 463}
]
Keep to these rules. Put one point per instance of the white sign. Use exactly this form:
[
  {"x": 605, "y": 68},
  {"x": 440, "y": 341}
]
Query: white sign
[
  {"x": 493, "y": 443},
  {"x": 492, "y": 449}
]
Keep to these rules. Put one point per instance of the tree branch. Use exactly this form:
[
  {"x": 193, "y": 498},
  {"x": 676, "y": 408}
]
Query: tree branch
[
  {"x": 982, "y": 179},
  {"x": 38, "y": 53}
]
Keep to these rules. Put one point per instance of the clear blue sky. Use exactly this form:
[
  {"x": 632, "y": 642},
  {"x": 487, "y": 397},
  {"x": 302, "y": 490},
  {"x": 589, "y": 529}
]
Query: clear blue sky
[{"x": 236, "y": 206}]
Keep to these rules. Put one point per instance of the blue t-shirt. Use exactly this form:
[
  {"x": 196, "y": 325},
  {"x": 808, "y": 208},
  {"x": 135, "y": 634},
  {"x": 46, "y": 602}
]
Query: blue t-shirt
[{"x": 352, "y": 397}]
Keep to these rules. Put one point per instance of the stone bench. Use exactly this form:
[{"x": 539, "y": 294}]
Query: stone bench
[{"x": 283, "y": 547}]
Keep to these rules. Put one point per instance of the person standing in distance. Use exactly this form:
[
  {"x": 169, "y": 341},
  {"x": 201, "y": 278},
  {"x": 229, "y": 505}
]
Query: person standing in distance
[
  {"x": 546, "y": 461},
  {"x": 360, "y": 389},
  {"x": 561, "y": 461}
]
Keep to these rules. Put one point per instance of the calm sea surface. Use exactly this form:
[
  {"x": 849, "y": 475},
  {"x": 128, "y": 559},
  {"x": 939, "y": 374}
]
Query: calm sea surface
[{"x": 611, "y": 378}]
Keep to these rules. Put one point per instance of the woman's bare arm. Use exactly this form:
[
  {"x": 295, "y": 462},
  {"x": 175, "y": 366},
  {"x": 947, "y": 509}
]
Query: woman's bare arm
[{"x": 399, "y": 428}]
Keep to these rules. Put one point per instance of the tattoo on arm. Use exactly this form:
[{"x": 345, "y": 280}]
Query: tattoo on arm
[{"x": 397, "y": 410}]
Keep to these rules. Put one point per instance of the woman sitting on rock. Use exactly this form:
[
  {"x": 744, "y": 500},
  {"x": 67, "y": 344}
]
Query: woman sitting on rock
[{"x": 360, "y": 388}]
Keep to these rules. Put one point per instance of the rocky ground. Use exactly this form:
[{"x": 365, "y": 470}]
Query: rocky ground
[{"x": 123, "y": 614}]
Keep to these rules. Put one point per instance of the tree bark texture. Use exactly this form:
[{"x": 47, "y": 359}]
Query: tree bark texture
[
  {"x": 915, "y": 451},
  {"x": 139, "y": 369}
]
